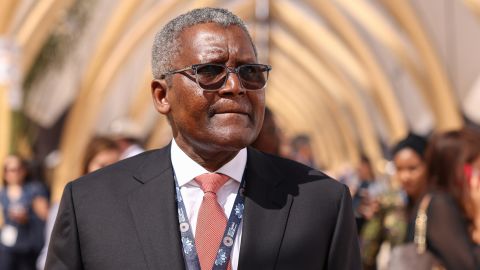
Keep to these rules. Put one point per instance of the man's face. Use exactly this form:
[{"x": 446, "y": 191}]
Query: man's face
[{"x": 225, "y": 120}]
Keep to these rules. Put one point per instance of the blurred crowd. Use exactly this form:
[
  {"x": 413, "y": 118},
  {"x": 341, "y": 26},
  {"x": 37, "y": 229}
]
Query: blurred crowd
[
  {"x": 26, "y": 214},
  {"x": 431, "y": 180},
  {"x": 439, "y": 173}
]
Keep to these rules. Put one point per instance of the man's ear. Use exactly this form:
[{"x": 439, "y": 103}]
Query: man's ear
[{"x": 159, "y": 95}]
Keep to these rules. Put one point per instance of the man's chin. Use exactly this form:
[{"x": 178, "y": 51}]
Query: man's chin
[
  {"x": 233, "y": 143},
  {"x": 222, "y": 138}
]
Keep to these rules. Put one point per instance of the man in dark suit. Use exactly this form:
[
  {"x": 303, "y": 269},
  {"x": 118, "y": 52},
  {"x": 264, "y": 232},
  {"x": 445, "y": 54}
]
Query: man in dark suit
[{"x": 168, "y": 208}]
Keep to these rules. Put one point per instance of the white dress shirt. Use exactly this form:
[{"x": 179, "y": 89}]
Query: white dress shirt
[{"x": 186, "y": 170}]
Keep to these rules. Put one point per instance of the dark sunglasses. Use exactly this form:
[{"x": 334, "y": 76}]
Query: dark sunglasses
[{"x": 212, "y": 77}]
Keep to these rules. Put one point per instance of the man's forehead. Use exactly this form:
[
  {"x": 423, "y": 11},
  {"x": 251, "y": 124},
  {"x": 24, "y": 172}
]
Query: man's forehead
[
  {"x": 202, "y": 37},
  {"x": 213, "y": 40},
  {"x": 206, "y": 30}
]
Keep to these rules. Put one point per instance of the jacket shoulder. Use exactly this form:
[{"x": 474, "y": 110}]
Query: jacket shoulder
[
  {"x": 297, "y": 173},
  {"x": 117, "y": 173}
]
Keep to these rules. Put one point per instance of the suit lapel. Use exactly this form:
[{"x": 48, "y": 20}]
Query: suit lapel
[
  {"x": 154, "y": 213},
  {"x": 267, "y": 206}
]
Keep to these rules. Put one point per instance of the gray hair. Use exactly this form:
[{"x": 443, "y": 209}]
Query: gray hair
[{"x": 166, "y": 45}]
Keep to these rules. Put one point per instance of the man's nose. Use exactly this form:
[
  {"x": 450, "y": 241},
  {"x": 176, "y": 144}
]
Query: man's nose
[{"x": 232, "y": 86}]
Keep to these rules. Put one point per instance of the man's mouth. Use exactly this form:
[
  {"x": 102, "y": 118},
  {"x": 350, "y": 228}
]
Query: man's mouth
[
  {"x": 232, "y": 112},
  {"x": 238, "y": 110}
]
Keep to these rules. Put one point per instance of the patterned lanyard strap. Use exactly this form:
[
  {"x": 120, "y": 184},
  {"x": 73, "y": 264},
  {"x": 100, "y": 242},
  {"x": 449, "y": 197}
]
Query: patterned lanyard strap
[{"x": 225, "y": 247}]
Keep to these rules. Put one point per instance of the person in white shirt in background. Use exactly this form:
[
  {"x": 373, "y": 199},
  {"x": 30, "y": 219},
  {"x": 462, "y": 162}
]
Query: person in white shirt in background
[{"x": 127, "y": 135}]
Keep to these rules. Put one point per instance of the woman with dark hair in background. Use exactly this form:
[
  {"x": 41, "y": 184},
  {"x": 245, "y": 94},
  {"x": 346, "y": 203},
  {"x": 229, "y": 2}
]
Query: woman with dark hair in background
[
  {"x": 24, "y": 207},
  {"x": 101, "y": 152},
  {"x": 448, "y": 233},
  {"x": 411, "y": 168},
  {"x": 389, "y": 224}
]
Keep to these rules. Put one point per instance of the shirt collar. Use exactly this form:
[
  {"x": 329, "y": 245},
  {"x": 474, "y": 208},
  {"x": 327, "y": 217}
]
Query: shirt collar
[{"x": 186, "y": 169}]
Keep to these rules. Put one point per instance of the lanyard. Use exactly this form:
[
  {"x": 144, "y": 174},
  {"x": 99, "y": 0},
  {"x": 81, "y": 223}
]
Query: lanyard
[{"x": 225, "y": 246}]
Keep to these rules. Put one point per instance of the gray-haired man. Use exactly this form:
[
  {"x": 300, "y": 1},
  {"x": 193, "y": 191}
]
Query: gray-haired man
[{"x": 207, "y": 200}]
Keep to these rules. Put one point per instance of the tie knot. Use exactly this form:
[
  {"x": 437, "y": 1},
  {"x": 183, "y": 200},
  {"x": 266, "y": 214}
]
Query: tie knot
[{"x": 211, "y": 182}]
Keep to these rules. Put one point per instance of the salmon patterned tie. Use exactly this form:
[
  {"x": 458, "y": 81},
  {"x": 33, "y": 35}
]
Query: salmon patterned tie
[{"x": 211, "y": 220}]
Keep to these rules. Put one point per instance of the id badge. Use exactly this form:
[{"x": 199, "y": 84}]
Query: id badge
[{"x": 9, "y": 235}]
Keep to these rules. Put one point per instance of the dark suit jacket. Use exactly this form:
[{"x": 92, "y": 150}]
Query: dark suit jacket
[{"x": 125, "y": 217}]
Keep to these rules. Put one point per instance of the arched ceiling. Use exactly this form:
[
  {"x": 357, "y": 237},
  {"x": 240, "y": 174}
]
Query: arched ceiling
[{"x": 344, "y": 72}]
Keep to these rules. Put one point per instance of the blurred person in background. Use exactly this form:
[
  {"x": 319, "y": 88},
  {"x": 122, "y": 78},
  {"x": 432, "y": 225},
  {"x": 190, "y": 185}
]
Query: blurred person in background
[
  {"x": 268, "y": 139},
  {"x": 408, "y": 157},
  {"x": 448, "y": 236},
  {"x": 101, "y": 152},
  {"x": 381, "y": 209},
  {"x": 365, "y": 204},
  {"x": 24, "y": 204},
  {"x": 411, "y": 168},
  {"x": 301, "y": 150},
  {"x": 126, "y": 135},
  {"x": 472, "y": 179},
  {"x": 347, "y": 174}
]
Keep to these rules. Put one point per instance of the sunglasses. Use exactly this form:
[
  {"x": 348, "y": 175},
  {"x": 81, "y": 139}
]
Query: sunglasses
[{"x": 212, "y": 77}]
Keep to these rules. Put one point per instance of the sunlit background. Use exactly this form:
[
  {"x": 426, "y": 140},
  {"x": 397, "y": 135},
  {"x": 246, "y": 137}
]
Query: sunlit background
[{"x": 355, "y": 76}]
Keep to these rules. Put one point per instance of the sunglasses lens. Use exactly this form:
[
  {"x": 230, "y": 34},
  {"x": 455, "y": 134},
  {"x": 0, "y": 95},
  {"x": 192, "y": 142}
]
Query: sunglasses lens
[
  {"x": 211, "y": 77},
  {"x": 253, "y": 77}
]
